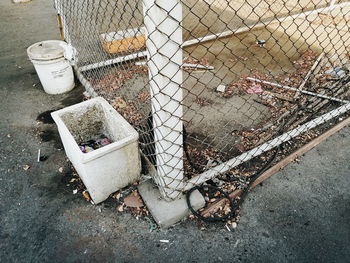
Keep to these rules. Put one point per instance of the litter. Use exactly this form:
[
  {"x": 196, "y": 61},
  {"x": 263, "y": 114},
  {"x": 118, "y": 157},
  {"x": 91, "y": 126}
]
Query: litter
[
  {"x": 261, "y": 43},
  {"x": 221, "y": 88},
  {"x": 38, "y": 156},
  {"x": 92, "y": 145},
  {"x": 164, "y": 241},
  {"x": 255, "y": 88},
  {"x": 86, "y": 195},
  {"x": 120, "y": 208},
  {"x": 337, "y": 72}
]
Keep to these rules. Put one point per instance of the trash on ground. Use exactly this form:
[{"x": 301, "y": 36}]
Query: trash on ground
[
  {"x": 120, "y": 208},
  {"x": 261, "y": 42},
  {"x": 337, "y": 72},
  {"x": 86, "y": 195},
  {"x": 26, "y": 167},
  {"x": 221, "y": 88},
  {"x": 164, "y": 241},
  {"x": 92, "y": 145},
  {"x": 255, "y": 88}
]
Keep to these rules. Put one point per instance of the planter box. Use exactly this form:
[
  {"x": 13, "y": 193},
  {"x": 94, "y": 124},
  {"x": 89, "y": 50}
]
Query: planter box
[
  {"x": 124, "y": 41},
  {"x": 111, "y": 167}
]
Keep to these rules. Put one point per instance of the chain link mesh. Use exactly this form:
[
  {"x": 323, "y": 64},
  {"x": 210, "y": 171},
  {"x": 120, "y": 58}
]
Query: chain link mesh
[{"x": 212, "y": 84}]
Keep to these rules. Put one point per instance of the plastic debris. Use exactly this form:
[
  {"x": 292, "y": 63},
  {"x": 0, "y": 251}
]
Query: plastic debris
[
  {"x": 86, "y": 195},
  {"x": 164, "y": 241},
  {"x": 261, "y": 42},
  {"x": 255, "y": 88},
  {"x": 337, "y": 72},
  {"x": 92, "y": 145},
  {"x": 26, "y": 167},
  {"x": 221, "y": 88}
]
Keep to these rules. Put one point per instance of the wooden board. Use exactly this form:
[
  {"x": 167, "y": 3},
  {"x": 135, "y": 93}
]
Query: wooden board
[
  {"x": 290, "y": 158},
  {"x": 277, "y": 167},
  {"x": 124, "y": 45}
]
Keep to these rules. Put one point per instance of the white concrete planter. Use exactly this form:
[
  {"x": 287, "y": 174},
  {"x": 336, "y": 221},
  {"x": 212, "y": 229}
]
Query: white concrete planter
[{"x": 106, "y": 169}]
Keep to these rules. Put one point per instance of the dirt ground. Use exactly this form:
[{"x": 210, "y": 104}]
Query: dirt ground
[
  {"x": 301, "y": 214},
  {"x": 231, "y": 57}
]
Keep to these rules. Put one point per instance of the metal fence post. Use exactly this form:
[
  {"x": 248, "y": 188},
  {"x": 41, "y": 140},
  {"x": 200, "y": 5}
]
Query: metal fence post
[
  {"x": 162, "y": 19},
  {"x": 62, "y": 22}
]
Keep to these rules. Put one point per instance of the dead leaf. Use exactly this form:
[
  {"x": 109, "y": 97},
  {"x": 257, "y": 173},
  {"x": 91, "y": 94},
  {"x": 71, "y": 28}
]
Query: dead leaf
[
  {"x": 117, "y": 195},
  {"x": 26, "y": 167},
  {"x": 133, "y": 200},
  {"x": 120, "y": 103}
]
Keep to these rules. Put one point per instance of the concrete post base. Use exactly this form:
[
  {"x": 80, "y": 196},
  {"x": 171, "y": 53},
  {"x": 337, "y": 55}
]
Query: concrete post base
[{"x": 167, "y": 213}]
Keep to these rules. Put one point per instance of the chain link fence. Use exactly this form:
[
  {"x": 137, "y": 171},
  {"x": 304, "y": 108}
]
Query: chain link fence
[{"x": 214, "y": 87}]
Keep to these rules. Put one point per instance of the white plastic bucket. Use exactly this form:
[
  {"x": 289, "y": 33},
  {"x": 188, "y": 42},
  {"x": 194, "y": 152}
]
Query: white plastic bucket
[{"x": 54, "y": 70}]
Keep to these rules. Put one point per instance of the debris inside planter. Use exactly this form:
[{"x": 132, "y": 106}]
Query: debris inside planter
[{"x": 92, "y": 145}]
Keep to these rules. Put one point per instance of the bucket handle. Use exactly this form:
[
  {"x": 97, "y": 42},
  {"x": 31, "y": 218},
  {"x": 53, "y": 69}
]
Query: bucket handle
[{"x": 70, "y": 53}]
